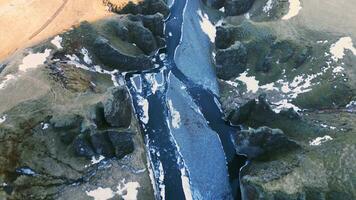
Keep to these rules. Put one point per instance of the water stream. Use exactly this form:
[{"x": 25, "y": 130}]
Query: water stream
[{"x": 188, "y": 142}]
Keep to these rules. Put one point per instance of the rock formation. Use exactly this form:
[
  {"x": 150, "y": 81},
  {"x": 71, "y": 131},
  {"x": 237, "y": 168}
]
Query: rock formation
[
  {"x": 281, "y": 81},
  {"x": 67, "y": 124}
]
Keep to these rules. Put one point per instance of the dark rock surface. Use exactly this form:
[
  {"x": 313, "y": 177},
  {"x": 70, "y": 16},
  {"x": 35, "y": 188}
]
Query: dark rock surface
[
  {"x": 69, "y": 124},
  {"x": 237, "y": 7},
  {"x": 262, "y": 143},
  {"x": 82, "y": 147},
  {"x": 112, "y": 58},
  {"x": 144, "y": 31},
  {"x": 231, "y": 61},
  {"x": 118, "y": 108},
  {"x": 122, "y": 143},
  {"x": 147, "y": 7},
  {"x": 290, "y": 85},
  {"x": 101, "y": 144},
  {"x": 231, "y": 7}
]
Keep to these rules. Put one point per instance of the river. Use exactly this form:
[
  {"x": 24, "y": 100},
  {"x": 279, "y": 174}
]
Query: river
[{"x": 188, "y": 142}]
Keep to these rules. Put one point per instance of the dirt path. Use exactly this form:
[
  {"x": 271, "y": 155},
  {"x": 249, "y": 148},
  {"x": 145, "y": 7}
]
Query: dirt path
[{"x": 27, "y": 22}]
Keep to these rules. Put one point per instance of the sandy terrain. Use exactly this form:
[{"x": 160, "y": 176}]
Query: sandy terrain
[
  {"x": 25, "y": 22},
  {"x": 330, "y": 16},
  {"x": 333, "y": 17}
]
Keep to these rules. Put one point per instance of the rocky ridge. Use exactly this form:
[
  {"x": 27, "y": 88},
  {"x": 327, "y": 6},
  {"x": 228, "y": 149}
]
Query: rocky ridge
[
  {"x": 67, "y": 127},
  {"x": 293, "y": 92}
]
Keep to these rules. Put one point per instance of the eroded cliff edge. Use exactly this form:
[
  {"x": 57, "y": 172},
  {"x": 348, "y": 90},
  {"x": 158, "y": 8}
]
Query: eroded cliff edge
[
  {"x": 286, "y": 72},
  {"x": 67, "y": 125}
]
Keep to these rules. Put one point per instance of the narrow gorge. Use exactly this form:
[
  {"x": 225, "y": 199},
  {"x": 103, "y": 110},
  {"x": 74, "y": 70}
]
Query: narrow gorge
[{"x": 177, "y": 99}]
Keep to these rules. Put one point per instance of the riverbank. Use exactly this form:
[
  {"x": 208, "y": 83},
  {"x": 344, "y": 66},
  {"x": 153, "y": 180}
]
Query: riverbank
[{"x": 289, "y": 66}]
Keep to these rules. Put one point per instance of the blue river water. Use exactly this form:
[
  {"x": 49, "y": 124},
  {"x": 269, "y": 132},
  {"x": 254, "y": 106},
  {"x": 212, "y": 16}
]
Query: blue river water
[{"x": 188, "y": 142}]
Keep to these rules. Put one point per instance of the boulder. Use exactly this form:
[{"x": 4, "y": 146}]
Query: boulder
[
  {"x": 262, "y": 143},
  {"x": 237, "y": 7},
  {"x": 231, "y": 61},
  {"x": 118, "y": 108},
  {"x": 122, "y": 142}
]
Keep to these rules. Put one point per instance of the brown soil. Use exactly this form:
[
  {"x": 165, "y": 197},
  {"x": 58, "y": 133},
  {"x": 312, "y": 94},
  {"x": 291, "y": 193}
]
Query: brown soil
[{"x": 26, "y": 22}]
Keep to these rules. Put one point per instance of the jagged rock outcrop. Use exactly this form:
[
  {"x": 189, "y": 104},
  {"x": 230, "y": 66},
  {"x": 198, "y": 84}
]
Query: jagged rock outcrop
[
  {"x": 118, "y": 108},
  {"x": 231, "y": 61},
  {"x": 114, "y": 59},
  {"x": 145, "y": 31},
  {"x": 263, "y": 143},
  {"x": 260, "y": 50},
  {"x": 122, "y": 143},
  {"x": 69, "y": 122},
  {"x": 256, "y": 113}
]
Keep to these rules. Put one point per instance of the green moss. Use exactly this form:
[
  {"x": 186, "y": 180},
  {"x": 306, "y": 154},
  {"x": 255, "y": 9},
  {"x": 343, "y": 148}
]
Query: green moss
[{"x": 325, "y": 96}]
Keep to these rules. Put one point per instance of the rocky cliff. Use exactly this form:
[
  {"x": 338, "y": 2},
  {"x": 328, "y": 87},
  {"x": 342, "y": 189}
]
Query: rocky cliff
[
  {"x": 279, "y": 69},
  {"x": 67, "y": 124}
]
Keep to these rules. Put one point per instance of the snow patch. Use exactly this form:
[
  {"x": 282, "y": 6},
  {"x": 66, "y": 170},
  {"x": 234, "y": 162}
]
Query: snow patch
[
  {"x": 5, "y": 82},
  {"x": 137, "y": 82},
  {"x": 337, "y": 49},
  {"x": 33, "y": 60},
  {"x": 3, "y": 119},
  {"x": 162, "y": 187},
  {"x": 269, "y": 86},
  {"x": 44, "y": 126},
  {"x": 175, "y": 115},
  {"x": 206, "y": 25},
  {"x": 319, "y": 140},
  {"x": 294, "y": 8},
  {"x": 86, "y": 57},
  {"x": 268, "y": 6},
  {"x": 300, "y": 84},
  {"x": 186, "y": 185},
  {"x": 128, "y": 191},
  {"x": 143, "y": 103},
  {"x": 101, "y": 193},
  {"x": 56, "y": 41},
  {"x": 338, "y": 69},
  {"x": 284, "y": 105},
  {"x": 152, "y": 79},
  {"x": 94, "y": 160},
  {"x": 250, "y": 82}
]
